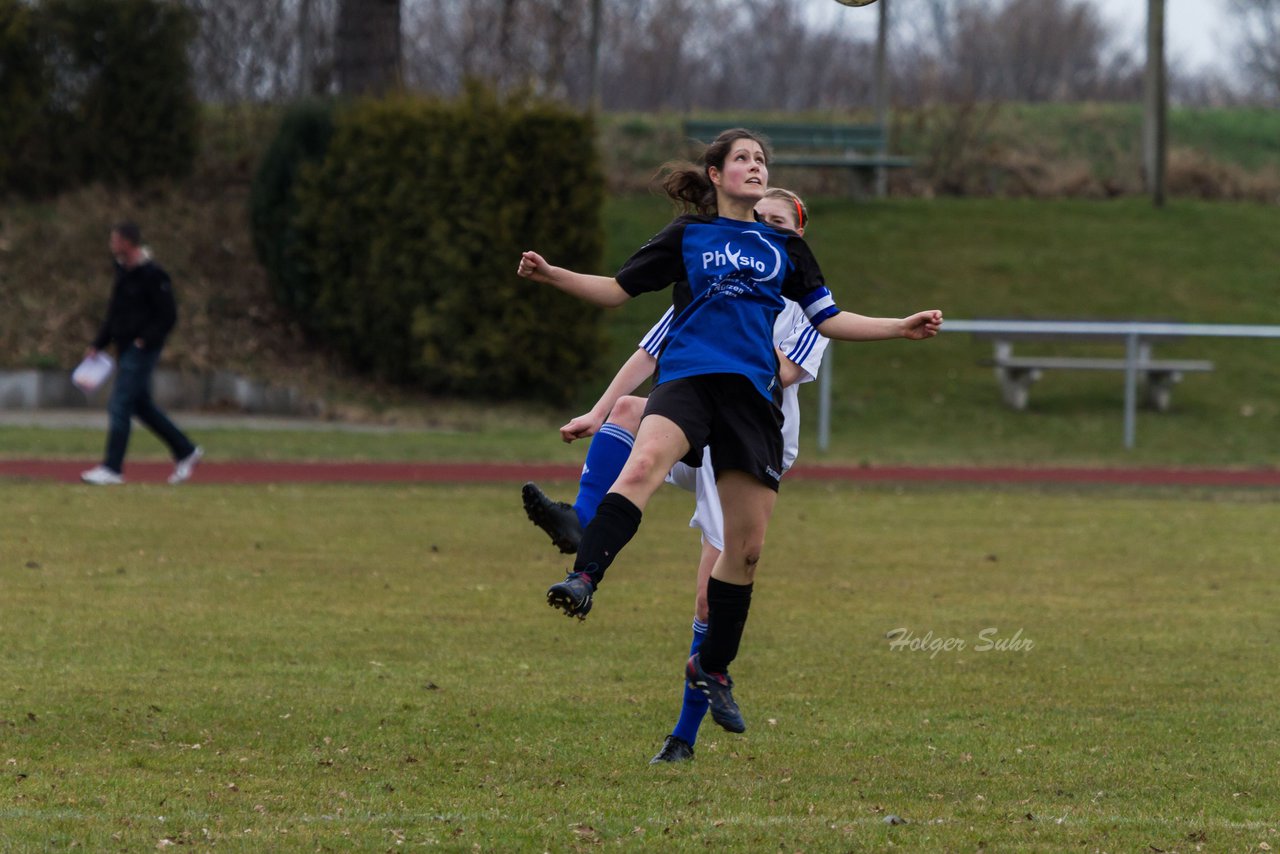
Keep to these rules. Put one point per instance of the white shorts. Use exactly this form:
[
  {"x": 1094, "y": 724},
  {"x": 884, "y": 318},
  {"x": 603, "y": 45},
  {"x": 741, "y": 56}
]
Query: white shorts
[{"x": 707, "y": 515}]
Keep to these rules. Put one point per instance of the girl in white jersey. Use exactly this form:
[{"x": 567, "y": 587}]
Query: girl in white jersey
[{"x": 714, "y": 388}]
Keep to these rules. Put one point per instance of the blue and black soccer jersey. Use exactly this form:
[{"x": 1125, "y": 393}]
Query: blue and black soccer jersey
[{"x": 730, "y": 278}]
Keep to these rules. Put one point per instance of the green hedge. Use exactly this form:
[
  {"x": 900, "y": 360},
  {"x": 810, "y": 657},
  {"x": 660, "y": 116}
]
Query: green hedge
[
  {"x": 24, "y": 100},
  {"x": 95, "y": 90},
  {"x": 413, "y": 225},
  {"x": 301, "y": 141}
]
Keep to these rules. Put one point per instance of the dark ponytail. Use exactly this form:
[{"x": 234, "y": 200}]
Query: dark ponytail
[{"x": 689, "y": 184}]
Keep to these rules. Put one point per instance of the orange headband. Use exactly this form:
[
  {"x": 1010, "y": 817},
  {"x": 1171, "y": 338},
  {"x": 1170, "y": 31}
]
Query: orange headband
[{"x": 799, "y": 212}]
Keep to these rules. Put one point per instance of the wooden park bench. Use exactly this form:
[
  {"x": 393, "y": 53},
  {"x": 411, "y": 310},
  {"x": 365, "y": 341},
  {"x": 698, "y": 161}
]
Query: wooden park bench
[{"x": 860, "y": 148}]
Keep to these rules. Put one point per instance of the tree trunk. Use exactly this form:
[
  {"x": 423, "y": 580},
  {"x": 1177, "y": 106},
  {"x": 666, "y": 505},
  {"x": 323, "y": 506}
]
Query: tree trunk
[
  {"x": 1155, "y": 119},
  {"x": 306, "y": 50},
  {"x": 368, "y": 46}
]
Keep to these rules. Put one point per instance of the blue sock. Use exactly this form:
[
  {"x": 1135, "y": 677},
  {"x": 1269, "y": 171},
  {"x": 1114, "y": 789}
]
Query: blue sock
[
  {"x": 606, "y": 456},
  {"x": 695, "y": 702}
]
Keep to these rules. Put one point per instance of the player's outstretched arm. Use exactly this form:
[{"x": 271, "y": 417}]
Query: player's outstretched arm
[
  {"x": 600, "y": 290},
  {"x": 634, "y": 371},
  {"x": 847, "y": 326}
]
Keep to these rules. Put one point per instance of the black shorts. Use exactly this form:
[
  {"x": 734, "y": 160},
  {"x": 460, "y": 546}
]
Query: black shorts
[{"x": 725, "y": 412}]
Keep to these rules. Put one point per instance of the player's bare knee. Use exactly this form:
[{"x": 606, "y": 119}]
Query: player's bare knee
[
  {"x": 639, "y": 471},
  {"x": 627, "y": 412}
]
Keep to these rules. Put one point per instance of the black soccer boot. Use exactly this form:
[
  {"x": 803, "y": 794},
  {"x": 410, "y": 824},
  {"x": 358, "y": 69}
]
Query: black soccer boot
[{"x": 557, "y": 519}]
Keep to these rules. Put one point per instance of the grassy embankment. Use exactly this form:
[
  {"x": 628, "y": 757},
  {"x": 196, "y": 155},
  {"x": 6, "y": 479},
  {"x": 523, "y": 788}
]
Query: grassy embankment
[{"x": 1194, "y": 261}]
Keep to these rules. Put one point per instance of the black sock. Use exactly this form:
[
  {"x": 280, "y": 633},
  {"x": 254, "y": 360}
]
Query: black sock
[
  {"x": 614, "y": 525},
  {"x": 727, "y": 607}
]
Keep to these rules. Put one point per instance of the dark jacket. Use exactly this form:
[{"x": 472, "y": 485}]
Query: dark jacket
[{"x": 141, "y": 306}]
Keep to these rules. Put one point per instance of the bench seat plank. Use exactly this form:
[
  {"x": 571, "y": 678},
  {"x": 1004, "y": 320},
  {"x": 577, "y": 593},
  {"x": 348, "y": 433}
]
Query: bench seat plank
[
  {"x": 1017, "y": 373},
  {"x": 1053, "y": 363},
  {"x": 855, "y": 147},
  {"x": 855, "y": 161}
]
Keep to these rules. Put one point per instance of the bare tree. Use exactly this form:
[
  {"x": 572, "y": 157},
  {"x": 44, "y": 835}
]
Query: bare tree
[
  {"x": 665, "y": 54},
  {"x": 657, "y": 54},
  {"x": 259, "y": 50},
  {"x": 1260, "y": 56},
  {"x": 368, "y": 46},
  {"x": 652, "y": 57},
  {"x": 509, "y": 43},
  {"x": 1030, "y": 50},
  {"x": 792, "y": 65},
  {"x": 929, "y": 26},
  {"x": 447, "y": 41},
  {"x": 1037, "y": 50}
]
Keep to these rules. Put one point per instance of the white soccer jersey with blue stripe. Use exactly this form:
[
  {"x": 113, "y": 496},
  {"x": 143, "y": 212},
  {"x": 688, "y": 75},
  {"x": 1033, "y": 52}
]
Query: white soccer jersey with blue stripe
[{"x": 796, "y": 337}]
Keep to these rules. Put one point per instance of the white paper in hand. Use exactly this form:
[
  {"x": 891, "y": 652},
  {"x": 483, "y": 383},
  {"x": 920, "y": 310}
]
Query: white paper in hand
[{"x": 90, "y": 374}]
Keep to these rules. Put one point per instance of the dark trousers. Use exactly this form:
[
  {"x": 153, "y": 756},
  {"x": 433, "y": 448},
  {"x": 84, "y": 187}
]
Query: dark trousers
[{"x": 132, "y": 397}]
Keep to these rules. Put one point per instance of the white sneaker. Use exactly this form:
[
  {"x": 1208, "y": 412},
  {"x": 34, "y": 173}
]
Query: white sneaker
[
  {"x": 182, "y": 471},
  {"x": 101, "y": 476}
]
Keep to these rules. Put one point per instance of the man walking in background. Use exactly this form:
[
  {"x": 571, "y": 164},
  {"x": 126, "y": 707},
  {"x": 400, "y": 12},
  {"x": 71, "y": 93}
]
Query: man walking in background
[{"x": 140, "y": 316}]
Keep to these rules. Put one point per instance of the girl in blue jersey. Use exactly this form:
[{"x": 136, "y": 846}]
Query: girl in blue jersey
[
  {"x": 612, "y": 424},
  {"x": 716, "y": 383}
]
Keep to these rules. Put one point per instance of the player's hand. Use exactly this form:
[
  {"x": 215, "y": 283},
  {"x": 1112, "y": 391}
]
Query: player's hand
[
  {"x": 90, "y": 352},
  {"x": 533, "y": 266},
  {"x": 581, "y": 427},
  {"x": 922, "y": 324}
]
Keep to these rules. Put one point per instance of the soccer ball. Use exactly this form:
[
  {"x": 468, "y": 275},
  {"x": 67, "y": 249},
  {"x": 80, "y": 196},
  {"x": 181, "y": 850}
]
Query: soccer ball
[{"x": 855, "y": 2}]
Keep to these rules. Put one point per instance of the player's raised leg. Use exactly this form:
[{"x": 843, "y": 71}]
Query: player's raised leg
[
  {"x": 606, "y": 455},
  {"x": 659, "y": 444}
]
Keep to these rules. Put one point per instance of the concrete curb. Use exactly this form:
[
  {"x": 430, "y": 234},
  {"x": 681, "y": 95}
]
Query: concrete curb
[
  {"x": 96, "y": 419},
  {"x": 267, "y": 471},
  {"x": 50, "y": 388}
]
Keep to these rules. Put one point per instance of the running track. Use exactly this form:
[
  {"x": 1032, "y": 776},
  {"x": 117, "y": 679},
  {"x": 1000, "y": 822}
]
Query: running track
[{"x": 250, "y": 472}]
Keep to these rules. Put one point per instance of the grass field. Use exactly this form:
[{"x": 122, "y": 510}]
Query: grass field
[{"x": 372, "y": 668}]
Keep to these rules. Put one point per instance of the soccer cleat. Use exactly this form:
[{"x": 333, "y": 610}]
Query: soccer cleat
[
  {"x": 573, "y": 595},
  {"x": 674, "y": 749},
  {"x": 557, "y": 519},
  {"x": 719, "y": 690},
  {"x": 185, "y": 466},
  {"x": 102, "y": 476}
]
